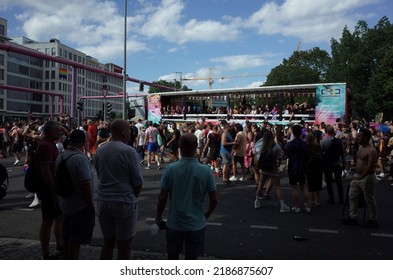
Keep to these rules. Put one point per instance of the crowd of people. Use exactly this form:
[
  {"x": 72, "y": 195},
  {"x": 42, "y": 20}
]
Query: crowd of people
[{"x": 311, "y": 155}]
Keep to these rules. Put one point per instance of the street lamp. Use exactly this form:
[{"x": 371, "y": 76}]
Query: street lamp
[
  {"x": 125, "y": 64},
  {"x": 104, "y": 93}
]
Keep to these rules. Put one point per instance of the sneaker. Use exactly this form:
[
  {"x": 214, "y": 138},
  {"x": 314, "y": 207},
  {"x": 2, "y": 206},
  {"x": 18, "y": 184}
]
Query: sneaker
[
  {"x": 349, "y": 222},
  {"x": 233, "y": 179},
  {"x": 35, "y": 203},
  {"x": 147, "y": 167},
  {"x": 285, "y": 209},
  {"x": 308, "y": 210},
  {"x": 296, "y": 209},
  {"x": 241, "y": 179},
  {"x": 381, "y": 175},
  {"x": 16, "y": 162},
  {"x": 58, "y": 255},
  {"x": 257, "y": 204}
]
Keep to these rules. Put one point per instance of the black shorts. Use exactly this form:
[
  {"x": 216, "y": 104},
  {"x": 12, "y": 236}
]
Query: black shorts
[
  {"x": 50, "y": 210},
  {"x": 297, "y": 179},
  {"x": 17, "y": 147},
  {"x": 238, "y": 159},
  {"x": 213, "y": 154},
  {"x": 78, "y": 228}
]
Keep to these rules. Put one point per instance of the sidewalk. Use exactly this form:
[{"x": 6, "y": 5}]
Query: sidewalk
[{"x": 26, "y": 249}]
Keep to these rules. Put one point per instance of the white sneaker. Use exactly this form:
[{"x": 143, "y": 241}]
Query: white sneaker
[
  {"x": 381, "y": 175},
  {"x": 35, "y": 202},
  {"x": 241, "y": 179},
  {"x": 257, "y": 204},
  {"x": 285, "y": 209},
  {"x": 233, "y": 179},
  {"x": 147, "y": 167},
  {"x": 296, "y": 210}
]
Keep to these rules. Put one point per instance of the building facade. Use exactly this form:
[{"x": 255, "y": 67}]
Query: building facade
[{"x": 40, "y": 74}]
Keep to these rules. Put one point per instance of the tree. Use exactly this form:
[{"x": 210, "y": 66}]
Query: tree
[
  {"x": 357, "y": 59},
  {"x": 168, "y": 84},
  {"x": 303, "y": 67}
]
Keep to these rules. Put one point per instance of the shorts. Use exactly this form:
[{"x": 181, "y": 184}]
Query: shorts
[
  {"x": 78, "y": 228},
  {"x": 152, "y": 147},
  {"x": 213, "y": 155},
  {"x": 238, "y": 159},
  {"x": 193, "y": 240},
  {"x": 297, "y": 179},
  {"x": 226, "y": 159},
  {"x": 117, "y": 219},
  {"x": 17, "y": 147},
  {"x": 49, "y": 209}
]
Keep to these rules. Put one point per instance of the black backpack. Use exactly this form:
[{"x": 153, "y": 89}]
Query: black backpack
[
  {"x": 64, "y": 185},
  {"x": 3, "y": 179}
]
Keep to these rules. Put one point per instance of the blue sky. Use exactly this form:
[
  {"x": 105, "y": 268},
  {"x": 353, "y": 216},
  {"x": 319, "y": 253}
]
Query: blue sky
[{"x": 221, "y": 38}]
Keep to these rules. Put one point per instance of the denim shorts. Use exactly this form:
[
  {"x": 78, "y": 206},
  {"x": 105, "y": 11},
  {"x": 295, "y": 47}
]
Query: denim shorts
[
  {"x": 193, "y": 242},
  {"x": 227, "y": 158},
  {"x": 117, "y": 219},
  {"x": 78, "y": 228}
]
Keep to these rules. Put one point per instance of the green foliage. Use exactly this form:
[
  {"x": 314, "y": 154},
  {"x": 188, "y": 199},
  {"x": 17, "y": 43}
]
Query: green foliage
[
  {"x": 168, "y": 84},
  {"x": 363, "y": 59},
  {"x": 303, "y": 67}
]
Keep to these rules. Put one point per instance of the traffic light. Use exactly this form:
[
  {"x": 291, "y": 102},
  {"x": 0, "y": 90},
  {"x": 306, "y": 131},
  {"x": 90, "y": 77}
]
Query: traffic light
[
  {"x": 141, "y": 86},
  {"x": 79, "y": 105},
  {"x": 109, "y": 107}
]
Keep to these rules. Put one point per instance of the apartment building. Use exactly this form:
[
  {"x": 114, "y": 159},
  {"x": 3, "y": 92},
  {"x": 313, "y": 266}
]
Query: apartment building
[{"x": 41, "y": 74}]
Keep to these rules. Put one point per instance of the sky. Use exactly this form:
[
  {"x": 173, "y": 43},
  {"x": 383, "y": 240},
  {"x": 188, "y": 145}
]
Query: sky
[{"x": 235, "y": 42}]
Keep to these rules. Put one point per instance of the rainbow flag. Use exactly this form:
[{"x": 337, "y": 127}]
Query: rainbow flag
[{"x": 63, "y": 73}]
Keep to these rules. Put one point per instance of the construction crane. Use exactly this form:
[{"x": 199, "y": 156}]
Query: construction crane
[{"x": 211, "y": 79}]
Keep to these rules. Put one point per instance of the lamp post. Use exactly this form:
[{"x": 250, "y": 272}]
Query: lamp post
[
  {"x": 125, "y": 63},
  {"x": 104, "y": 93}
]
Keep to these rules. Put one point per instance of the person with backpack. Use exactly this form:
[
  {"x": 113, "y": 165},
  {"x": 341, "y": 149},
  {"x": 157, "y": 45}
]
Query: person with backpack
[
  {"x": 268, "y": 166},
  {"x": 333, "y": 163},
  {"x": 75, "y": 193},
  {"x": 45, "y": 157}
]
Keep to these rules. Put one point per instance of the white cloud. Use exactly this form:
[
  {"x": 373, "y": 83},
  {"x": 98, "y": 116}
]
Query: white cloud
[
  {"x": 240, "y": 61},
  {"x": 165, "y": 22},
  {"x": 310, "y": 20}
]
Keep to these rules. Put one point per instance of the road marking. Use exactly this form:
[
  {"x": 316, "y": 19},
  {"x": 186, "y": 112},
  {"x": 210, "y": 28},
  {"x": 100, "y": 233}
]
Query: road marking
[
  {"x": 214, "y": 224},
  {"x": 381, "y": 234},
  {"x": 208, "y": 223},
  {"x": 263, "y": 227},
  {"x": 323, "y": 230}
]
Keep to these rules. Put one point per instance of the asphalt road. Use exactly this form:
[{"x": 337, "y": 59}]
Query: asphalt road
[{"x": 236, "y": 230}]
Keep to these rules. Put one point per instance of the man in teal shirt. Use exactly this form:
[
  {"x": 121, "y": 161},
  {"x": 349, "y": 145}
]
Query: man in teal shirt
[{"x": 186, "y": 182}]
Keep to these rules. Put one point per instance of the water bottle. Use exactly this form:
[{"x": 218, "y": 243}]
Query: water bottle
[{"x": 154, "y": 229}]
